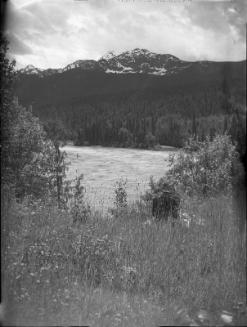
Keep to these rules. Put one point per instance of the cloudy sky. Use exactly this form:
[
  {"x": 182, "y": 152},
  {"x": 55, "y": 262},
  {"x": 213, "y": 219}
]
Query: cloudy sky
[{"x": 54, "y": 33}]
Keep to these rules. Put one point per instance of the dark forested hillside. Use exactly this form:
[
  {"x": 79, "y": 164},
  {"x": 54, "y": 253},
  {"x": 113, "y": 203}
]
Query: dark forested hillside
[{"x": 139, "y": 109}]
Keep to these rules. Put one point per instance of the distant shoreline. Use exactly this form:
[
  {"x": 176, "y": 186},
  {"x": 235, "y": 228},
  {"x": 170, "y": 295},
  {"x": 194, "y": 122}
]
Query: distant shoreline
[{"x": 155, "y": 148}]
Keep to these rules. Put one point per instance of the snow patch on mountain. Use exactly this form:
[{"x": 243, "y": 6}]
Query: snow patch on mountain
[
  {"x": 160, "y": 71},
  {"x": 30, "y": 70},
  {"x": 82, "y": 64},
  {"x": 128, "y": 70},
  {"x": 111, "y": 71},
  {"x": 109, "y": 55}
]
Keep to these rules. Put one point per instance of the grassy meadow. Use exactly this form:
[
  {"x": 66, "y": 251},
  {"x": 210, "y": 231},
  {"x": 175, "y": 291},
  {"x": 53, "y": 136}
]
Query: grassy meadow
[{"x": 121, "y": 269}]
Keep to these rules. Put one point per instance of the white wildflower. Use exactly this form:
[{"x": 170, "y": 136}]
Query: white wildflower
[{"x": 226, "y": 317}]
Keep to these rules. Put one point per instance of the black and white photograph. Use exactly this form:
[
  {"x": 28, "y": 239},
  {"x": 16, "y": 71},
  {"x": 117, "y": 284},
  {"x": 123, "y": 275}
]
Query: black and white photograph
[{"x": 123, "y": 163}]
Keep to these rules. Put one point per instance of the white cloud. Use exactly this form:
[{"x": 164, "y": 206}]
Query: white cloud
[{"x": 55, "y": 33}]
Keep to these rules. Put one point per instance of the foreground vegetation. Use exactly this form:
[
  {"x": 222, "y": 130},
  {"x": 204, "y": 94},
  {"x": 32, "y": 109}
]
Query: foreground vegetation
[{"x": 122, "y": 270}]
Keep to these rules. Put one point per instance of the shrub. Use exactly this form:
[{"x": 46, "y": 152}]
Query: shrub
[
  {"x": 157, "y": 188},
  {"x": 74, "y": 199},
  {"x": 205, "y": 168},
  {"x": 120, "y": 201},
  {"x": 30, "y": 164},
  {"x": 164, "y": 199}
]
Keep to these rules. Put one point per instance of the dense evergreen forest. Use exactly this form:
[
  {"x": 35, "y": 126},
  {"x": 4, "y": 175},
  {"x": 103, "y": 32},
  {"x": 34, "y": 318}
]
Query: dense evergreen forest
[{"x": 139, "y": 110}]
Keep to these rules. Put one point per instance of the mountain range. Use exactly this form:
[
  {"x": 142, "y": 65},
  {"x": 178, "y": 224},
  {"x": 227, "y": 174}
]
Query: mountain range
[
  {"x": 138, "y": 71},
  {"x": 137, "y": 61}
]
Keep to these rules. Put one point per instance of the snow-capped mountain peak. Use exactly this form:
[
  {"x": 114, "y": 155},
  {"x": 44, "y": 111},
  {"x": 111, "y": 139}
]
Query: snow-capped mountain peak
[
  {"x": 109, "y": 55},
  {"x": 136, "y": 61},
  {"x": 140, "y": 61},
  {"x": 30, "y": 69},
  {"x": 83, "y": 64}
]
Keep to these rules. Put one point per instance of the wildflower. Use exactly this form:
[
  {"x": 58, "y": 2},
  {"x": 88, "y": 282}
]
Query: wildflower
[
  {"x": 186, "y": 219},
  {"x": 118, "y": 317},
  {"x": 148, "y": 222},
  {"x": 63, "y": 303},
  {"x": 128, "y": 269},
  {"x": 226, "y": 317},
  {"x": 203, "y": 315}
]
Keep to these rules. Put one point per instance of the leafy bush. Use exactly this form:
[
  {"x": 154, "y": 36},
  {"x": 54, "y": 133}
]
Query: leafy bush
[
  {"x": 205, "y": 168},
  {"x": 31, "y": 163},
  {"x": 74, "y": 199},
  {"x": 120, "y": 194},
  {"x": 157, "y": 188}
]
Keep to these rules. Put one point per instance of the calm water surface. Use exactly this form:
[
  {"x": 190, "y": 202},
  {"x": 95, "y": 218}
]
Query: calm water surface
[{"x": 102, "y": 167}]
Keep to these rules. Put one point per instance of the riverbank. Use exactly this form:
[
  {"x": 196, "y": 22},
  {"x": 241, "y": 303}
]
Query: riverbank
[{"x": 156, "y": 147}]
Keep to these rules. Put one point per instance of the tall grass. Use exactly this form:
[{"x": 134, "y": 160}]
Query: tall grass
[{"x": 54, "y": 268}]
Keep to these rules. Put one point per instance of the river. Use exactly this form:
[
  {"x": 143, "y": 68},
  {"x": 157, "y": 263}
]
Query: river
[{"x": 103, "y": 166}]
